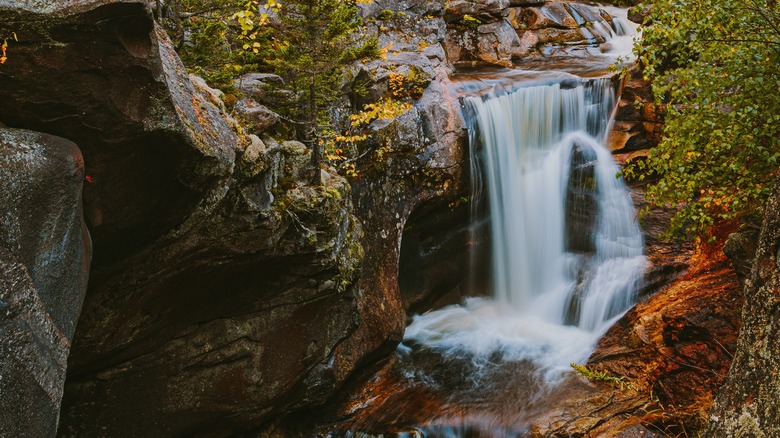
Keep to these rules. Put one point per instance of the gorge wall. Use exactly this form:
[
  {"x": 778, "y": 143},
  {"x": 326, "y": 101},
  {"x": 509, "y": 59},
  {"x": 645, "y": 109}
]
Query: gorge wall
[{"x": 224, "y": 291}]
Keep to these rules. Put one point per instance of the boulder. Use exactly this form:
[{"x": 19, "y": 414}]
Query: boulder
[
  {"x": 494, "y": 43},
  {"x": 258, "y": 86},
  {"x": 484, "y": 10},
  {"x": 104, "y": 76},
  {"x": 584, "y": 14},
  {"x": 639, "y": 13},
  {"x": 581, "y": 203},
  {"x": 254, "y": 117},
  {"x": 45, "y": 252},
  {"x": 549, "y": 15}
]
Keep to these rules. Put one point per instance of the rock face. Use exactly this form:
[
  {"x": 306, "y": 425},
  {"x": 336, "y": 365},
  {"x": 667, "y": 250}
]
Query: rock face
[
  {"x": 45, "y": 253},
  {"x": 104, "y": 77},
  {"x": 638, "y": 122},
  {"x": 581, "y": 200},
  {"x": 436, "y": 256},
  {"x": 493, "y": 33},
  {"x": 224, "y": 290},
  {"x": 220, "y": 285},
  {"x": 747, "y": 404}
]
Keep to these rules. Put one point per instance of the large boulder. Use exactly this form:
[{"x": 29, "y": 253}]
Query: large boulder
[
  {"x": 45, "y": 253},
  {"x": 494, "y": 43},
  {"x": 104, "y": 76}
]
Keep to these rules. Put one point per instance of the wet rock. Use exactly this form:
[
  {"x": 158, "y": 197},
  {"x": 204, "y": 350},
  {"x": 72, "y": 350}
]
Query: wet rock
[
  {"x": 549, "y": 15},
  {"x": 679, "y": 343},
  {"x": 559, "y": 36},
  {"x": 581, "y": 200},
  {"x": 45, "y": 252},
  {"x": 584, "y": 14}
]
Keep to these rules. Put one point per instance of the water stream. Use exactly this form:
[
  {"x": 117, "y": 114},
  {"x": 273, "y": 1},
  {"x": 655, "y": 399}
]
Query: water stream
[
  {"x": 566, "y": 247},
  {"x": 567, "y": 253}
]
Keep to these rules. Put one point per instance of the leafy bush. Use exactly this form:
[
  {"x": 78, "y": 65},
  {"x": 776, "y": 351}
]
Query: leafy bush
[{"x": 714, "y": 69}]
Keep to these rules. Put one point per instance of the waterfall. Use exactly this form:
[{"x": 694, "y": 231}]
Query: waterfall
[
  {"x": 567, "y": 251},
  {"x": 529, "y": 139}
]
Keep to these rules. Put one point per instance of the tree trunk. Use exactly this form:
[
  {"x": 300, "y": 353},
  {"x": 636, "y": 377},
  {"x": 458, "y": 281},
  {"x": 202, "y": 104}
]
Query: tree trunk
[{"x": 311, "y": 136}]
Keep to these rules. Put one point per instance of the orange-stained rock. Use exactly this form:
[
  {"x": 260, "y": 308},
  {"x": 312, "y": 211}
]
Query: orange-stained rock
[
  {"x": 638, "y": 122},
  {"x": 678, "y": 344},
  {"x": 673, "y": 351}
]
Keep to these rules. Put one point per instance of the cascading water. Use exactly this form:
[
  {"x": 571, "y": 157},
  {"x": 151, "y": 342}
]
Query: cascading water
[
  {"x": 567, "y": 251},
  {"x": 529, "y": 140}
]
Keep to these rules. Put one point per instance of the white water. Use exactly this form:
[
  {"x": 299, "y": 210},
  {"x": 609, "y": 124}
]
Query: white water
[
  {"x": 621, "y": 35},
  {"x": 526, "y": 143}
]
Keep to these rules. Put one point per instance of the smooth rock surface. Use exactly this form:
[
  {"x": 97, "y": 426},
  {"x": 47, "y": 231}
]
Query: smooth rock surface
[
  {"x": 104, "y": 76},
  {"x": 45, "y": 252}
]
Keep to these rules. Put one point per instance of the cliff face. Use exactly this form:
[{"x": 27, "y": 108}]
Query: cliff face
[
  {"x": 747, "y": 404},
  {"x": 224, "y": 290}
]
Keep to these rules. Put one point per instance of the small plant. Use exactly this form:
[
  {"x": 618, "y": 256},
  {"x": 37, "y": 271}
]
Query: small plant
[
  {"x": 471, "y": 21},
  {"x": 458, "y": 202},
  {"x": 4, "y": 48},
  {"x": 603, "y": 376},
  {"x": 338, "y": 147},
  {"x": 412, "y": 84},
  {"x": 385, "y": 15}
]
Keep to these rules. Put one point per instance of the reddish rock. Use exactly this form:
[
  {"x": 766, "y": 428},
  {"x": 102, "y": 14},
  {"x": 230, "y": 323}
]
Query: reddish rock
[
  {"x": 677, "y": 346},
  {"x": 638, "y": 122}
]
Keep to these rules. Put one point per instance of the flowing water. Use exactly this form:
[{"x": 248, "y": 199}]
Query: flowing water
[
  {"x": 566, "y": 247},
  {"x": 567, "y": 254}
]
